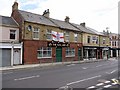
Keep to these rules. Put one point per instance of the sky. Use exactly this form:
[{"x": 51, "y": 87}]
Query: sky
[{"x": 97, "y": 14}]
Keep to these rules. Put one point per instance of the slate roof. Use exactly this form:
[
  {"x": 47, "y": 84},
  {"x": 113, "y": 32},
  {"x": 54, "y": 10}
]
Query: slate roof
[
  {"x": 87, "y": 29},
  {"x": 95, "y": 31},
  {"x": 64, "y": 25},
  {"x": 7, "y": 21},
  {"x": 35, "y": 18},
  {"x": 84, "y": 29}
]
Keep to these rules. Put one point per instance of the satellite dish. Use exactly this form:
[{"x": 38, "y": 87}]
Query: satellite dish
[{"x": 29, "y": 27}]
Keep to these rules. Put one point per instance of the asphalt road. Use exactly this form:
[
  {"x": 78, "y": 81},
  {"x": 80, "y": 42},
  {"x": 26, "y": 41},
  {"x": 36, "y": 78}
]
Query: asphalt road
[{"x": 98, "y": 75}]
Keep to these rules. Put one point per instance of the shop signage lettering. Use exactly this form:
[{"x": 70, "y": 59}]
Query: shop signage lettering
[{"x": 58, "y": 44}]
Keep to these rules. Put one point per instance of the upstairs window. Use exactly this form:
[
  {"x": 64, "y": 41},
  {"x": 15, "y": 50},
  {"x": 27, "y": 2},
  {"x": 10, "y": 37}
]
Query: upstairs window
[
  {"x": 97, "y": 41},
  {"x": 12, "y": 34},
  {"x": 75, "y": 37},
  {"x": 88, "y": 39},
  {"x": 49, "y": 34},
  {"x": 103, "y": 40},
  {"x": 67, "y": 36},
  {"x": 35, "y": 33}
]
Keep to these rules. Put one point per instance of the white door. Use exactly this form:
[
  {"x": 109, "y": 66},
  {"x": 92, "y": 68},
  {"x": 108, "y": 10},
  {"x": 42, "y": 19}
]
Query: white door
[{"x": 16, "y": 56}]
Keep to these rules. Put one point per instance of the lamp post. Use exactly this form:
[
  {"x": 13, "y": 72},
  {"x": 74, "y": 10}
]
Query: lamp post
[{"x": 107, "y": 52}]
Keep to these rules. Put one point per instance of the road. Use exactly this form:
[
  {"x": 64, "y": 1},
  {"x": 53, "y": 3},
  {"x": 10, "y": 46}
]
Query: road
[{"x": 98, "y": 75}]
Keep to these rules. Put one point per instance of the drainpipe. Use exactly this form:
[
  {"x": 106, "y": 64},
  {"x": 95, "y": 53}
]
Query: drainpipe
[{"x": 12, "y": 53}]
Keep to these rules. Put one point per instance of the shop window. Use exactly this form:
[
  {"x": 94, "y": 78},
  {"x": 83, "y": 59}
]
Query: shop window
[
  {"x": 49, "y": 34},
  {"x": 12, "y": 34},
  {"x": 70, "y": 52},
  {"x": 88, "y": 39},
  {"x": 44, "y": 52},
  {"x": 35, "y": 33}
]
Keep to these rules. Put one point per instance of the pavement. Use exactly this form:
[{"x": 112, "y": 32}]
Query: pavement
[{"x": 49, "y": 64}]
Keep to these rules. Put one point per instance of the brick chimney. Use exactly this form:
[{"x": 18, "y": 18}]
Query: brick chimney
[
  {"x": 82, "y": 24},
  {"x": 15, "y": 6},
  {"x": 67, "y": 19},
  {"x": 46, "y": 13}
]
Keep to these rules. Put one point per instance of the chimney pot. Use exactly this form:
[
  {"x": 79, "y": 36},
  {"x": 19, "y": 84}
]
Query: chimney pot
[
  {"x": 83, "y": 24},
  {"x": 15, "y": 6},
  {"x": 46, "y": 13},
  {"x": 67, "y": 19}
]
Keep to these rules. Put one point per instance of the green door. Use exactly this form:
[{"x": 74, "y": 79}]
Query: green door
[
  {"x": 79, "y": 54},
  {"x": 59, "y": 54}
]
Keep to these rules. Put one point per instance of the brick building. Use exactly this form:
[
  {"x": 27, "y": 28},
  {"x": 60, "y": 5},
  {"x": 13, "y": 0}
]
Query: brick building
[{"x": 36, "y": 33}]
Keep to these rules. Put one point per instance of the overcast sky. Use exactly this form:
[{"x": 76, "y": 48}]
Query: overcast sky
[{"x": 97, "y": 14}]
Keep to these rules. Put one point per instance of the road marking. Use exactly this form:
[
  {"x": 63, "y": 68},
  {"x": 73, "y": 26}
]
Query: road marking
[
  {"x": 84, "y": 67},
  {"x": 83, "y": 80},
  {"x": 26, "y": 77},
  {"x": 7, "y": 73},
  {"x": 71, "y": 65},
  {"x": 98, "y": 65},
  {"x": 107, "y": 82},
  {"x": 91, "y": 87},
  {"x": 107, "y": 86},
  {"x": 99, "y": 84},
  {"x": 115, "y": 81},
  {"x": 113, "y": 71}
]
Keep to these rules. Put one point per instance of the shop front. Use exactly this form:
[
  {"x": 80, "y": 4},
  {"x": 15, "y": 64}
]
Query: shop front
[
  {"x": 90, "y": 52},
  {"x": 51, "y": 51}
]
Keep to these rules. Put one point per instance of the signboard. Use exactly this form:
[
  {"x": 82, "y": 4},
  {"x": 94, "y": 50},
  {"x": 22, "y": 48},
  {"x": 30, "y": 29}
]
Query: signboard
[{"x": 58, "y": 44}]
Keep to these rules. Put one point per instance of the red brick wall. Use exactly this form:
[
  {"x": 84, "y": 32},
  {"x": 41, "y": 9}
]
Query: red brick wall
[
  {"x": 31, "y": 47},
  {"x": 18, "y": 18}
]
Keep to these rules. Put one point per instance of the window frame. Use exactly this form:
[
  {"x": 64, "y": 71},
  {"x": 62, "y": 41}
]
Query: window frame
[
  {"x": 104, "y": 41},
  {"x": 67, "y": 38},
  {"x": 88, "y": 39},
  {"x": 42, "y": 49},
  {"x": 71, "y": 50},
  {"x": 13, "y": 32},
  {"x": 75, "y": 37},
  {"x": 33, "y": 32},
  {"x": 48, "y": 33}
]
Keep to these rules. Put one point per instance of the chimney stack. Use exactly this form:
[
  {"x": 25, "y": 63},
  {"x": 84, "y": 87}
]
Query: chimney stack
[
  {"x": 15, "y": 6},
  {"x": 67, "y": 19},
  {"x": 46, "y": 13},
  {"x": 83, "y": 24}
]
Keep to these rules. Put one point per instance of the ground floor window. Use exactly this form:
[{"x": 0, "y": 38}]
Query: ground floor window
[
  {"x": 44, "y": 52},
  {"x": 70, "y": 52}
]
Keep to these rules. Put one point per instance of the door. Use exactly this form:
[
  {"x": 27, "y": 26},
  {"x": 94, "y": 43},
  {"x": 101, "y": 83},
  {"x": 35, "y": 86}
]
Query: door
[
  {"x": 5, "y": 57},
  {"x": 79, "y": 54},
  {"x": 16, "y": 56},
  {"x": 114, "y": 53},
  {"x": 59, "y": 54}
]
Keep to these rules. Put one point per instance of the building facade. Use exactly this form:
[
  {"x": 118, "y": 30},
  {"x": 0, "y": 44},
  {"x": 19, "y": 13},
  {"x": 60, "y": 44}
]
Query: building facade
[
  {"x": 114, "y": 45},
  {"x": 45, "y": 39},
  {"x": 10, "y": 47},
  {"x": 50, "y": 40},
  {"x": 94, "y": 43}
]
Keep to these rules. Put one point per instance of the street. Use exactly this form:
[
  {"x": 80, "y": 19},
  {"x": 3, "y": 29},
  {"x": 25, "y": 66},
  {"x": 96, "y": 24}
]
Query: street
[{"x": 98, "y": 75}]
